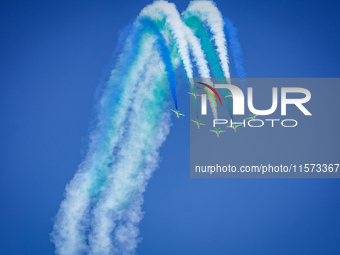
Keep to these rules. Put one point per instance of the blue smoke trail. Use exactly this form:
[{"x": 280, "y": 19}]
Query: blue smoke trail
[
  {"x": 102, "y": 206},
  {"x": 148, "y": 23},
  {"x": 205, "y": 35},
  {"x": 236, "y": 50}
]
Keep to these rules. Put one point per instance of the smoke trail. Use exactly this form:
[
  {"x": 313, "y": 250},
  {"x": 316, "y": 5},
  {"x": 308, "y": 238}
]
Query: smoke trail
[
  {"x": 118, "y": 211},
  {"x": 73, "y": 220},
  {"x": 165, "y": 56},
  {"x": 194, "y": 22},
  {"x": 199, "y": 58},
  {"x": 102, "y": 205},
  {"x": 212, "y": 16},
  {"x": 161, "y": 9},
  {"x": 236, "y": 50},
  {"x": 209, "y": 14},
  {"x": 184, "y": 38}
]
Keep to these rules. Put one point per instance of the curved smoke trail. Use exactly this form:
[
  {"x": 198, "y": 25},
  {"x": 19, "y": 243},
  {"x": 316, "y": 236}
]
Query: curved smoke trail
[
  {"x": 73, "y": 221},
  {"x": 198, "y": 14},
  {"x": 163, "y": 9},
  {"x": 184, "y": 39},
  {"x": 209, "y": 14},
  {"x": 196, "y": 25},
  {"x": 165, "y": 53},
  {"x": 235, "y": 49},
  {"x": 102, "y": 205}
]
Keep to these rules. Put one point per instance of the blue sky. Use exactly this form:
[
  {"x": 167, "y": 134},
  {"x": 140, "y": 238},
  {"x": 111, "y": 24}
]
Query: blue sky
[{"x": 55, "y": 56}]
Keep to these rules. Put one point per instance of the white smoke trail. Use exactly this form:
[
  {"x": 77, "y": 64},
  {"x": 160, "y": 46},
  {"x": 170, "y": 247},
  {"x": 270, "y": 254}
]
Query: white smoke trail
[
  {"x": 102, "y": 205},
  {"x": 162, "y": 8},
  {"x": 113, "y": 222},
  {"x": 73, "y": 217},
  {"x": 183, "y": 36},
  {"x": 213, "y": 18},
  {"x": 202, "y": 64}
]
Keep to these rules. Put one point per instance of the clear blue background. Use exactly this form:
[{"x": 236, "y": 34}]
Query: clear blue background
[{"x": 55, "y": 55}]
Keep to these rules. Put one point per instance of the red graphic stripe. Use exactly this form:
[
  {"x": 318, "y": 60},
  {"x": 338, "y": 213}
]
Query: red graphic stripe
[{"x": 213, "y": 90}]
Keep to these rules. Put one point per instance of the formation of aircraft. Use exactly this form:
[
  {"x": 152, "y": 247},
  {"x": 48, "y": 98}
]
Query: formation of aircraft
[
  {"x": 252, "y": 116},
  {"x": 198, "y": 123},
  {"x": 177, "y": 113},
  {"x": 195, "y": 95},
  {"x": 234, "y": 127},
  {"x": 217, "y": 131}
]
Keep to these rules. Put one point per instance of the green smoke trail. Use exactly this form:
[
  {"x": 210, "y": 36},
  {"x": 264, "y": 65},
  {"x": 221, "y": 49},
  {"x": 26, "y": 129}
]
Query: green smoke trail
[
  {"x": 102, "y": 206},
  {"x": 101, "y": 169},
  {"x": 194, "y": 22},
  {"x": 174, "y": 53}
]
